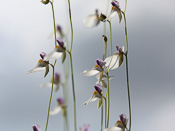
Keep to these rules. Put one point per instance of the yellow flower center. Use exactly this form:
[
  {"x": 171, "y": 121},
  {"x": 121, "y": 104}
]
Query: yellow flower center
[
  {"x": 96, "y": 66},
  {"x": 95, "y": 92},
  {"x": 40, "y": 61}
]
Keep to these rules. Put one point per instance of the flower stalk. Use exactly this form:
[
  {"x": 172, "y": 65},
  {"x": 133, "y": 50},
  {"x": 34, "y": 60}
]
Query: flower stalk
[
  {"x": 50, "y": 100},
  {"x": 110, "y": 34}
]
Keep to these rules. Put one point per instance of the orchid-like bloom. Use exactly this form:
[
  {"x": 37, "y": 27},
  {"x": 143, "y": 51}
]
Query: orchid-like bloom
[
  {"x": 59, "y": 31},
  {"x": 96, "y": 95},
  {"x": 99, "y": 68},
  {"x": 115, "y": 61},
  {"x": 60, "y": 106},
  {"x": 85, "y": 128},
  {"x": 94, "y": 20},
  {"x": 120, "y": 125},
  {"x": 42, "y": 65},
  {"x": 36, "y": 127},
  {"x": 115, "y": 10},
  {"x": 102, "y": 82},
  {"x": 59, "y": 51},
  {"x": 56, "y": 82}
]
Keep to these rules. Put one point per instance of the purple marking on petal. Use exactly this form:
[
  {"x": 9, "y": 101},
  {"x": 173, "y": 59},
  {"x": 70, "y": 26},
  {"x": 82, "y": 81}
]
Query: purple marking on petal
[
  {"x": 42, "y": 55},
  {"x": 98, "y": 88},
  {"x": 123, "y": 119},
  {"x": 100, "y": 62},
  {"x": 96, "y": 12},
  {"x": 60, "y": 101},
  {"x": 85, "y": 128},
  {"x": 60, "y": 42},
  {"x": 57, "y": 76},
  {"x": 36, "y": 127},
  {"x": 115, "y": 4},
  {"x": 59, "y": 28},
  {"x": 119, "y": 49}
]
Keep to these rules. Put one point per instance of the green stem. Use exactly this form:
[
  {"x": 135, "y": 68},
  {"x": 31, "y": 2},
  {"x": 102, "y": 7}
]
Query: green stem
[
  {"x": 125, "y": 5},
  {"x": 126, "y": 36},
  {"x": 110, "y": 35},
  {"x": 107, "y": 94},
  {"x": 75, "y": 121},
  {"x": 127, "y": 74},
  {"x": 54, "y": 22},
  {"x": 129, "y": 101},
  {"x": 102, "y": 111},
  {"x": 50, "y": 100},
  {"x": 105, "y": 112},
  {"x": 71, "y": 26}
]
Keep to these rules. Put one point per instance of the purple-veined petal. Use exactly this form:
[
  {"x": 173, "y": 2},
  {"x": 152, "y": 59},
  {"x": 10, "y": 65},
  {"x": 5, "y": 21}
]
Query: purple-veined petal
[
  {"x": 36, "y": 127},
  {"x": 90, "y": 72},
  {"x": 60, "y": 42},
  {"x": 91, "y": 21},
  {"x": 42, "y": 55},
  {"x": 56, "y": 110},
  {"x": 98, "y": 88},
  {"x": 123, "y": 119}
]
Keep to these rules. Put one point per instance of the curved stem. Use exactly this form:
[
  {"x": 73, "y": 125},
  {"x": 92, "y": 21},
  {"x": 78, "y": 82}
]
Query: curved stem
[
  {"x": 71, "y": 26},
  {"x": 125, "y": 5},
  {"x": 50, "y": 100},
  {"x": 126, "y": 36},
  {"x": 54, "y": 22},
  {"x": 73, "y": 89},
  {"x": 110, "y": 35}
]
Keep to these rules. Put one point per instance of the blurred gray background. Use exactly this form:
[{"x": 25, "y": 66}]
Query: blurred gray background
[{"x": 25, "y": 27}]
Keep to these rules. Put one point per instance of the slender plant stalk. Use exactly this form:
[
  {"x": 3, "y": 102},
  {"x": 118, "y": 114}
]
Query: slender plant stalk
[
  {"x": 108, "y": 98},
  {"x": 110, "y": 35},
  {"x": 73, "y": 90},
  {"x": 50, "y": 100},
  {"x": 53, "y": 21},
  {"x": 125, "y": 5},
  {"x": 102, "y": 111},
  {"x": 71, "y": 26},
  {"x": 127, "y": 74},
  {"x": 105, "y": 112}
]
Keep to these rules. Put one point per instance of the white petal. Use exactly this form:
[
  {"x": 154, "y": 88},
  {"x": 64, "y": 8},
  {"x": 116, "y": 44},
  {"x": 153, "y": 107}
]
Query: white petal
[
  {"x": 90, "y": 72},
  {"x": 114, "y": 128},
  {"x": 111, "y": 62},
  {"x": 53, "y": 55},
  {"x": 49, "y": 84},
  {"x": 91, "y": 21},
  {"x": 36, "y": 69},
  {"x": 93, "y": 98},
  {"x": 56, "y": 110},
  {"x": 112, "y": 14}
]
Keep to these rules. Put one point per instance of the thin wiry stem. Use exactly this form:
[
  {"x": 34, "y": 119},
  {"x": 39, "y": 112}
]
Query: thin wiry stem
[
  {"x": 127, "y": 74},
  {"x": 105, "y": 113},
  {"x": 50, "y": 100},
  {"x": 71, "y": 26},
  {"x": 108, "y": 98},
  {"x": 73, "y": 90},
  {"x": 125, "y": 5},
  {"x": 110, "y": 35},
  {"x": 54, "y": 22},
  {"x": 102, "y": 111}
]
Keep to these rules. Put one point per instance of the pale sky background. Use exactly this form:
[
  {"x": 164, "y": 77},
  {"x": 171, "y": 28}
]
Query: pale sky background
[{"x": 25, "y": 27}]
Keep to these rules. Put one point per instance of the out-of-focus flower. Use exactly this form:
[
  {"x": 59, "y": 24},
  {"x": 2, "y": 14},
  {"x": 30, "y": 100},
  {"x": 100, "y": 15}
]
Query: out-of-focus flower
[
  {"x": 59, "y": 51},
  {"x": 96, "y": 95},
  {"x": 115, "y": 10},
  {"x": 102, "y": 82},
  {"x": 120, "y": 125},
  {"x": 41, "y": 65},
  {"x": 60, "y": 106},
  {"x": 56, "y": 82},
  {"x": 99, "y": 68},
  {"x": 59, "y": 31},
  {"x": 36, "y": 127},
  {"x": 115, "y": 61},
  {"x": 85, "y": 128},
  {"x": 94, "y": 20}
]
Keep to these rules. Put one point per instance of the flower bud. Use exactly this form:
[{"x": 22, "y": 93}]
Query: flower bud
[{"x": 102, "y": 17}]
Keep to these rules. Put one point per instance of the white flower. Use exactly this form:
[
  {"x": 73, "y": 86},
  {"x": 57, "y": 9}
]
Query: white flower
[
  {"x": 115, "y": 10},
  {"x": 41, "y": 65},
  {"x": 115, "y": 61},
  {"x": 59, "y": 51},
  {"x": 96, "y": 95},
  {"x": 56, "y": 82}
]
